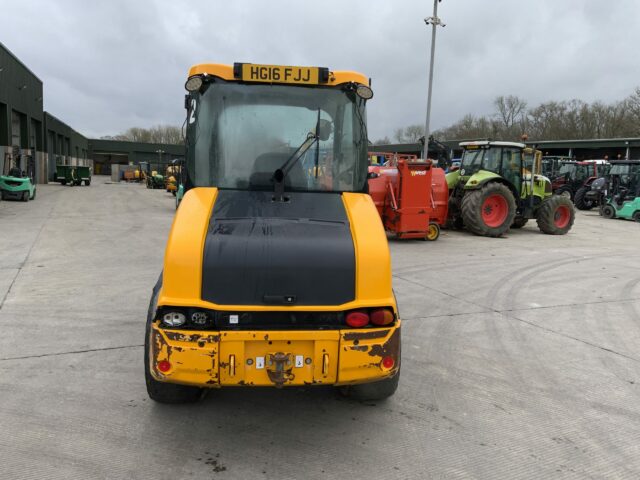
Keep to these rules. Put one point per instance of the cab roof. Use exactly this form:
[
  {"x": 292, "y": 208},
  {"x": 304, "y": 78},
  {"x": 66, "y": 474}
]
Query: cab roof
[
  {"x": 484, "y": 143},
  {"x": 226, "y": 73}
]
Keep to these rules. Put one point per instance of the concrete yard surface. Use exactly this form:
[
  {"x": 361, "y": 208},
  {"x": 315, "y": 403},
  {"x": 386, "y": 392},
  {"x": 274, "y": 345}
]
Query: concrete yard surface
[{"x": 520, "y": 359}]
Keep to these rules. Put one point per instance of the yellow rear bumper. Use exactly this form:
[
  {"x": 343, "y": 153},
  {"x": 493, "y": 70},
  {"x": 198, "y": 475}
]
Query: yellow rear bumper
[{"x": 274, "y": 358}]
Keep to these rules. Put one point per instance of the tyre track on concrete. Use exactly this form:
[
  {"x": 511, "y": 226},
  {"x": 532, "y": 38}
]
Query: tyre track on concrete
[{"x": 591, "y": 432}]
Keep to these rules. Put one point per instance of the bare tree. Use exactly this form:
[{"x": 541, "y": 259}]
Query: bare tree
[
  {"x": 510, "y": 110},
  {"x": 168, "y": 134},
  {"x": 382, "y": 141}
]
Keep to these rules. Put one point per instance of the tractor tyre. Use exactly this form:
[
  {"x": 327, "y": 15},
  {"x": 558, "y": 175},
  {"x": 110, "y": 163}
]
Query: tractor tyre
[
  {"x": 380, "y": 390},
  {"x": 636, "y": 216},
  {"x": 87, "y": 183},
  {"x": 580, "y": 201},
  {"x": 608, "y": 211},
  {"x": 519, "y": 222},
  {"x": 556, "y": 215},
  {"x": 489, "y": 211},
  {"x": 25, "y": 196},
  {"x": 564, "y": 191},
  {"x": 162, "y": 392},
  {"x": 63, "y": 181}
]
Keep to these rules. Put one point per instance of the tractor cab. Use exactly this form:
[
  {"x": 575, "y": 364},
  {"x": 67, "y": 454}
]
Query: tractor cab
[
  {"x": 277, "y": 269},
  {"x": 551, "y": 164}
]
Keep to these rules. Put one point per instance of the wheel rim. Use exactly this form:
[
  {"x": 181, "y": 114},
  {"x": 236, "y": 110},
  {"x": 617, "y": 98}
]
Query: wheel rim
[
  {"x": 494, "y": 210},
  {"x": 561, "y": 216},
  {"x": 433, "y": 232}
]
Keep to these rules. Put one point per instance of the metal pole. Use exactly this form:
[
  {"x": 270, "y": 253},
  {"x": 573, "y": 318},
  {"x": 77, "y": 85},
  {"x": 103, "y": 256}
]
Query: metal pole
[{"x": 434, "y": 21}]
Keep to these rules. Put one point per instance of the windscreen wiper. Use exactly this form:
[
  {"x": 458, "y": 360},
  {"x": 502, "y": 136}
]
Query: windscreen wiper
[{"x": 281, "y": 173}]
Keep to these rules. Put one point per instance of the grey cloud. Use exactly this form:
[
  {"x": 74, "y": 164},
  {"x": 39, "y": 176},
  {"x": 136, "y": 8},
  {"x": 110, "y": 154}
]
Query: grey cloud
[{"x": 107, "y": 66}]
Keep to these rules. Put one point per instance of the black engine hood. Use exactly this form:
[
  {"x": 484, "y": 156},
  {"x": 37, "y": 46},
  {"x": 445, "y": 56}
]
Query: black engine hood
[{"x": 261, "y": 252}]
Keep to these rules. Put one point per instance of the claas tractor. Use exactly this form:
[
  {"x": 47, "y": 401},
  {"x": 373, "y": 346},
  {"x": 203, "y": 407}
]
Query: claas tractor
[
  {"x": 277, "y": 269},
  {"x": 411, "y": 198},
  {"x": 498, "y": 186},
  {"x": 619, "y": 192}
]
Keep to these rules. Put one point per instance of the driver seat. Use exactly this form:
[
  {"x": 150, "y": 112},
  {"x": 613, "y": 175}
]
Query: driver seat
[{"x": 262, "y": 174}]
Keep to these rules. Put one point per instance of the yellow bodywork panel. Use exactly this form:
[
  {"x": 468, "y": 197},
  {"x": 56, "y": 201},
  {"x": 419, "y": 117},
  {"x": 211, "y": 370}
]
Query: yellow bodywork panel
[
  {"x": 182, "y": 275},
  {"x": 280, "y": 358},
  {"x": 274, "y": 357},
  {"x": 226, "y": 73},
  {"x": 373, "y": 260}
]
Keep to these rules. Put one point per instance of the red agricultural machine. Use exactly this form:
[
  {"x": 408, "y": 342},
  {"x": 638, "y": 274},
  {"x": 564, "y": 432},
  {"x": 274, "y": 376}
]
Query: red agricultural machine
[{"x": 411, "y": 197}]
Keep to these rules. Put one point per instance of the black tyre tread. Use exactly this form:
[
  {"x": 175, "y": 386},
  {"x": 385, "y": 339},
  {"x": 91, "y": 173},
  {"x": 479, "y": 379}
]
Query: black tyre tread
[
  {"x": 636, "y": 216},
  {"x": 519, "y": 222},
  {"x": 379, "y": 390},
  {"x": 563, "y": 189},
  {"x": 580, "y": 201},
  {"x": 472, "y": 214},
  {"x": 608, "y": 211},
  {"x": 546, "y": 212},
  {"x": 162, "y": 392}
]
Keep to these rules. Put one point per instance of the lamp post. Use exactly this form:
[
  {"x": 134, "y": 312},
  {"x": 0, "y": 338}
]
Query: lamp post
[
  {"x": 159, "y": 152},
  {"x": 434, "y": 21}
]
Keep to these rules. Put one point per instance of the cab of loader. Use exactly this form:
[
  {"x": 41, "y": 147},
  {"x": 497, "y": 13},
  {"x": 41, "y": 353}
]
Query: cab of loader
[
  {"x": 277, "y": 269},
  {"x": 499, "y": 186},
  {"x": 263, "y": 137}
]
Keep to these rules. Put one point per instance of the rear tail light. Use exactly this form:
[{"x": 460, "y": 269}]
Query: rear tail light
[
  {"x": 388, "y": 362},
  {"x": 164, "y": 366},
  {"x": 357, "y": 318},
  {"x": 382, "y": 316}
]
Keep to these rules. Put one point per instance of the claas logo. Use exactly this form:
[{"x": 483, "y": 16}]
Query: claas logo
[{"x": 418, "y": 172}]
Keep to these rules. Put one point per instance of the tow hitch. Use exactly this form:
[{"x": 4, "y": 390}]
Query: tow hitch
[{"x": 279, "y": 366}]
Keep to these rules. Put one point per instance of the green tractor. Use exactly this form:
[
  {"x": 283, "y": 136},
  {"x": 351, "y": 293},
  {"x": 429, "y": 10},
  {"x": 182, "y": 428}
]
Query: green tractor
[
  {"x": 153, "y": 179},
  {"x": 18, "y": 184},
  {"x": 499, "y": 186}
]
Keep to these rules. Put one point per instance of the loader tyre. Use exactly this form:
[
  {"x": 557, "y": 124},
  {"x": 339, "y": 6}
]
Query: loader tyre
[
  {"x": 380, "y": 390},
  {"x": 519, "y": 222},
  {"x": 162, "y": 392},
  {"x": 608, "y": 211},
  {"x": 489, "y": 211},
  {"x": 556, "y": 215},
  {"x": 580, "y": 200}
]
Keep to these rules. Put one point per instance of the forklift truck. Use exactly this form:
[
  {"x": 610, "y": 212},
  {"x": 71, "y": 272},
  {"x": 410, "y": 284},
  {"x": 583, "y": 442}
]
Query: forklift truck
[{"x": 277, "y": 270}]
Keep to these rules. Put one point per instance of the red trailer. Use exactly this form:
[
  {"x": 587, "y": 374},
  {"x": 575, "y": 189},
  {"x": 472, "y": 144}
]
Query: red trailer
[{"x": 412, "y": 198}]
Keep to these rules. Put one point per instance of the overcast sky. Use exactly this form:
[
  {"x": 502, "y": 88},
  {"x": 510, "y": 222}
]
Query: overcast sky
[{"x": 110, "y": 65}]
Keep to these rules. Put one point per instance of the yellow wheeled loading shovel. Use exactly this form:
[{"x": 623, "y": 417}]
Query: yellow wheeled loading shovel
[{"x": 277, "y": 270}]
